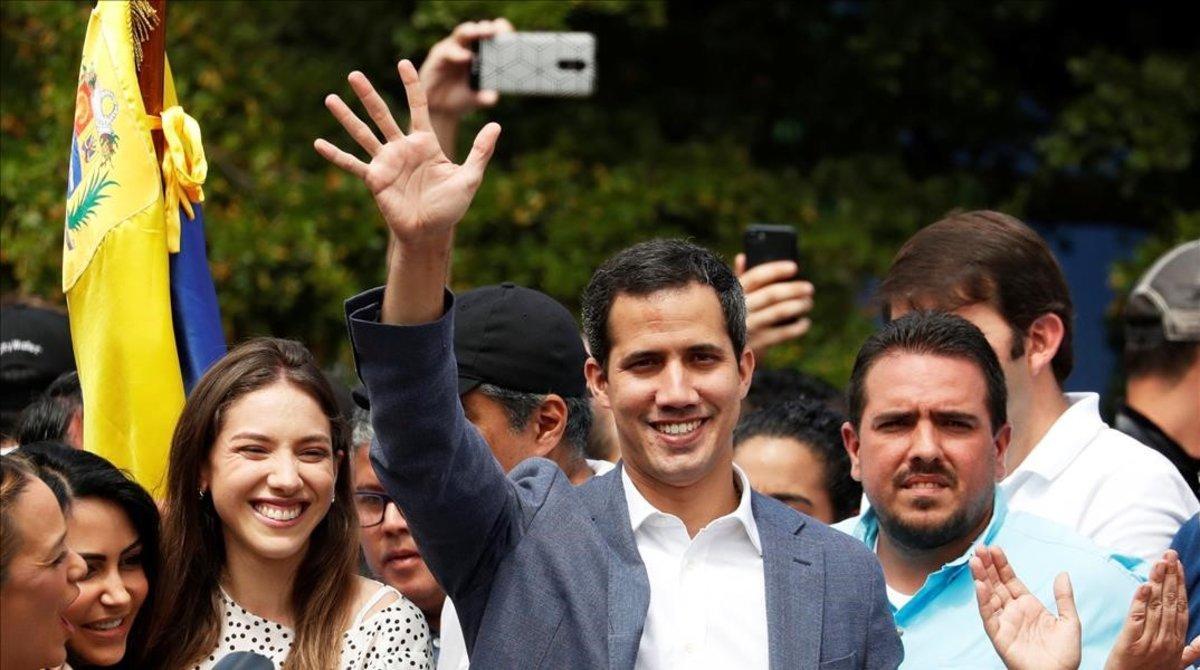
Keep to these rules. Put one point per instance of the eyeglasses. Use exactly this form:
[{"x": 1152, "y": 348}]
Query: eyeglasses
[{"x": 371, "y": 507}]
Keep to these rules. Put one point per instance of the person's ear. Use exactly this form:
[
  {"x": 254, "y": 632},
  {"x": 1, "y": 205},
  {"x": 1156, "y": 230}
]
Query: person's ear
[
  {"x": 1001, "y": 442},
  {"x": 1042, "y": 340},
  {"x": 850, "y": 441},
  {"x": 205, "y": 477},
  {"x": 597, "y": 381},
  {"x": 746, "y": 364},
  {"x": 549, "y": 423}
]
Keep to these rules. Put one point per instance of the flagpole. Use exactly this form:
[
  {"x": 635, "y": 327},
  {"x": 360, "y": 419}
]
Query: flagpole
[{"x": 151, "y": 74}]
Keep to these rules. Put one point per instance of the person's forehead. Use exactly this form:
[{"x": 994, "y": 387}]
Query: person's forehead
[
  {"x": 902, "y": 379},
  {"x": 100, "y": 522},
  {"x": 692, "y": 309},
  {"x": 40, "y": 520},
  {"x": 364, "y": 473},
  {"x": 779, "y": 458}
]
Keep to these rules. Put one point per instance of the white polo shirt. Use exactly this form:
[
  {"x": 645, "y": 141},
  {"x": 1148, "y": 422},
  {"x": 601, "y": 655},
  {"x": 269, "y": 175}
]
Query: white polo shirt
[{"x": 1104, "y": 484}]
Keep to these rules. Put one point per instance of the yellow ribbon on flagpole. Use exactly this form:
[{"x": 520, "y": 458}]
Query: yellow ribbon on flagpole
[{"x": 184, "y": 169}]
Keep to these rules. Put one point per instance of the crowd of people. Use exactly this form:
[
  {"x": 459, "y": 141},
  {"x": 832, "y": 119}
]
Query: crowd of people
[{"x": 504, "y": 491}]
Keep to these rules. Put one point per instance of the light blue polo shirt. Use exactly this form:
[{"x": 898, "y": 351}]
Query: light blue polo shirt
[{"x": 940, "y": 626}]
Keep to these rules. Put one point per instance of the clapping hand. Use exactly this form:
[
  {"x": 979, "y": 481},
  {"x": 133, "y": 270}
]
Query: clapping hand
[
  {"x": 1024, "y": 633},
  {"x": 1156, "y": 627}
]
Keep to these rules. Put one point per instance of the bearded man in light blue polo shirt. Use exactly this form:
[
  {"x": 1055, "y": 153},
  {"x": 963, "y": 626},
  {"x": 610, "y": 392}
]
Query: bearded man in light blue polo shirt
[{"x": 926, "y": 437}]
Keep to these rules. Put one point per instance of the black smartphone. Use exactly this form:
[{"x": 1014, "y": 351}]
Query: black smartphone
[{"x": 766, "y": 242}]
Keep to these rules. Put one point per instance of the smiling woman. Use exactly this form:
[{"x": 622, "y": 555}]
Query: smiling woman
[
  {"x": 262, "y": 531},
  {"x": 114, "y": 527},
  {"x": 37, "y": 570}
]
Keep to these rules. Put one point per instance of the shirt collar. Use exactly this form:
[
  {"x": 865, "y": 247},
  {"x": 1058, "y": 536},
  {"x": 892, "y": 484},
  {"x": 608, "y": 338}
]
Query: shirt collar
[
  {"x": 640, "y": 509},
  {"x": 1066, "y": 438},
  {"x": 866, "y": 528}
]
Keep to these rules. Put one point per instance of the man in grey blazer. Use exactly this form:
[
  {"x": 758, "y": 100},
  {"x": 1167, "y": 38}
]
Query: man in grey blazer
[{"x": 667, "y": 561}]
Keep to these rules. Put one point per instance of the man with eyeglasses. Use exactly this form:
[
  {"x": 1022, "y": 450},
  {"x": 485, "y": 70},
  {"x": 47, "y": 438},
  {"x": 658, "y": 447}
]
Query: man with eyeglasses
[{"x": 388, "y": 548}]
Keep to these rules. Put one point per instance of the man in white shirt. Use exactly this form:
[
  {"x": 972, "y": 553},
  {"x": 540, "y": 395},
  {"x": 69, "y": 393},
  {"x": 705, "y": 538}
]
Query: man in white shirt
[{"x": 1064, "y": 462}]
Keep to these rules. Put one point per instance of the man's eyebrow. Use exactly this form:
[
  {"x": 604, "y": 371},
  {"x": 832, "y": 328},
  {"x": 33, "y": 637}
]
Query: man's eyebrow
[
  {"x": 955, "y": 415},
  {"x": 369, "y": 488},
  {"x": 892, "y": 416},
  {"x": 640, "y": 353},
  {"x": 707, "y": 348}
]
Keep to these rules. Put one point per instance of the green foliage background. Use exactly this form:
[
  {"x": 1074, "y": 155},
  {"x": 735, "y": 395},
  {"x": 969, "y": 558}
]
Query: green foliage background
[{"x": 857, "y": 121}]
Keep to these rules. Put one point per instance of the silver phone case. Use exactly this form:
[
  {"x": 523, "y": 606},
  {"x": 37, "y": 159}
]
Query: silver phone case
[{"x": 535, "y": 63}]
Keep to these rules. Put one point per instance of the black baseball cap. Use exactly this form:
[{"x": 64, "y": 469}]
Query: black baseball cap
[
  {"x": 35, "y": 348},
  {"x": 518, "y": 339},
  {"x": 1165, "y": 303}
]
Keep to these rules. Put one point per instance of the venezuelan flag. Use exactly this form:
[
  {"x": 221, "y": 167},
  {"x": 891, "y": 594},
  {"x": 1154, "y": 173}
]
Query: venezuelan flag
[{"x": 123, "y": 221}]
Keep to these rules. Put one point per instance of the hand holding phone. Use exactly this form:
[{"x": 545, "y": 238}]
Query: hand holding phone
[{"x": 776, "y": 300}]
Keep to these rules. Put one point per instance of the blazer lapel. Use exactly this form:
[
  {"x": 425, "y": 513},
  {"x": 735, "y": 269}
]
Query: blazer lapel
[
  {"x": 795, "y": 586},
  {"x": 628, "y": 583}
]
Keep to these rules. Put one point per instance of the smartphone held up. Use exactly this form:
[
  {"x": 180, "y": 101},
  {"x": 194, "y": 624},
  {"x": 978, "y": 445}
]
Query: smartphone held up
[
  {"x": 558, "y": 64},
  {"x": 765, "y": 242}
]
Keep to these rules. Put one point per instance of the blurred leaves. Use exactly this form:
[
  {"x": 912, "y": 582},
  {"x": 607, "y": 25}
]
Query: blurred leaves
[{"x": 856, "y": 121}]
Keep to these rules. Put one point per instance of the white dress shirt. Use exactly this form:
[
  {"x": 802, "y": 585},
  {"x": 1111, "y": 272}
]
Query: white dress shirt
[
  {"x": 708, "y": 603},
  {"x": 1102, "y": 483}
]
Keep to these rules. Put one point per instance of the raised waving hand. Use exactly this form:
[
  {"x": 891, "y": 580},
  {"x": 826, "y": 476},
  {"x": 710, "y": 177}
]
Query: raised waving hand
[{"x": 421, "y": 193}]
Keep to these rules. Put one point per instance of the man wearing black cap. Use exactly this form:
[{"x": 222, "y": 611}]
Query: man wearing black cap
[
  {"x": 520, "y": 377},
  {"x": 35, "y": 348},
  {"x": 1162, "y": 361}
]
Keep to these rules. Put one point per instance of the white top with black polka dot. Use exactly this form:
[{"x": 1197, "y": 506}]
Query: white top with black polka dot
[{"x": 395, "y": 637}]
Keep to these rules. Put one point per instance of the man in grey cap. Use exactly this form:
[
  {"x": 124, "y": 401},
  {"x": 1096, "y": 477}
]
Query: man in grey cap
[{"x": 1162, "y": 361}]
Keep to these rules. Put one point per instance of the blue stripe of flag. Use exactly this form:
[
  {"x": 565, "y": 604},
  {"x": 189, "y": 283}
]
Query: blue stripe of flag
[{"x": 198, "y": 333}]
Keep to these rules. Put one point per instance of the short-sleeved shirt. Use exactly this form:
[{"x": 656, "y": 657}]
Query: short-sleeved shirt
[
  {"x": 940, "y": 625},
  {"x": 1101, "y": 483},
  {"x": 394, "y": 637}
]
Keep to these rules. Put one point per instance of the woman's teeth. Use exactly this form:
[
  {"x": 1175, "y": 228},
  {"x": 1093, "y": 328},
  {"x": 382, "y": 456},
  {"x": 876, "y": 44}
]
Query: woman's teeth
[
  {"x": 106, "y": 625},
  {"x": 277, "y": 513}
]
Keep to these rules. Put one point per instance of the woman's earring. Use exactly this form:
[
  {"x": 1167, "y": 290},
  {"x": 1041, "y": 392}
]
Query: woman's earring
[{"x": 201, "y": 491}]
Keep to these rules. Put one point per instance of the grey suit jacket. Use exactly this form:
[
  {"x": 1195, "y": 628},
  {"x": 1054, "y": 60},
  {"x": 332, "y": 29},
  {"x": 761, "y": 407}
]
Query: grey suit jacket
[{"x": 547, "y": 575}]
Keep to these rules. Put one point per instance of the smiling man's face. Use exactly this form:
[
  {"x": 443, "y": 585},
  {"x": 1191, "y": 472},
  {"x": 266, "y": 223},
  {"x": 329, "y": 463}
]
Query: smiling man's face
[
  {"x": 925, "y": 450},
  {"x": 674, "y": 385}
]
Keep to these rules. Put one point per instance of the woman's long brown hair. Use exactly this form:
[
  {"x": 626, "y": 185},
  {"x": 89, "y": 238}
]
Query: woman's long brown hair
[{"x": 194, "y": 547}]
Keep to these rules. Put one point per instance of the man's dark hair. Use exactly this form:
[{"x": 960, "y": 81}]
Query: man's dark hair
[
  {"x": 519, "y": 408},
  {"x": 938, "y": 334},
  {"x": 813, "y": 424},
  {"x": 49, "y": 416},
  {"x": 773, "y": 386},
  {"x": 984, "y": 257},
  {"x": 1148, "y": 353},
  {"x": 654, "y": 266}
]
